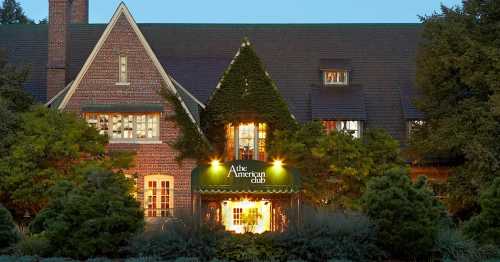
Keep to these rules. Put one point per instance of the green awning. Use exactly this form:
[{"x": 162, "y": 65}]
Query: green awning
[
  {"x": 245, "y": 177},
  {"x": 122, "y": 108}
]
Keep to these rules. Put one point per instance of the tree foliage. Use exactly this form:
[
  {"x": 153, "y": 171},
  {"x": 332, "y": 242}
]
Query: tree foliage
[
  {"x": 11, "y": 12},
  {"x": 8, "y": 230},
  {"x": 485, "y": 227},
  {"x": 335, "y": 167},
  {"x": 246, "y": 93},
  {"x": 459, "y": 74},
  {"x": 407, "y": 214},
  {"x": 93, "y": 218},
  {"x": 49, "y": 146}
]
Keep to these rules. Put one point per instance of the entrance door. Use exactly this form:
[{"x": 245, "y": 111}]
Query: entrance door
[{"x": 246, "y": 216}]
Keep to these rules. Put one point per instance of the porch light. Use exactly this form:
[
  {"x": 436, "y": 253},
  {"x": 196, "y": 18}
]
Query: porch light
[
  {"x": 215, "y": 163},
  {"x": 278, "y": 163}
]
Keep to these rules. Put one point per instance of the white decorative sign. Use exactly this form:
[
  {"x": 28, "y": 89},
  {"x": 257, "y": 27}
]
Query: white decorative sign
[{"x": 240, "y": 171}]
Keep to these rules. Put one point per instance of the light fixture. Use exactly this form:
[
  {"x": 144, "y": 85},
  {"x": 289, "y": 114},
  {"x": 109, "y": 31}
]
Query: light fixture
[
  {"x": 215, "y": 163},
  {"x": 278, "y": 163}
]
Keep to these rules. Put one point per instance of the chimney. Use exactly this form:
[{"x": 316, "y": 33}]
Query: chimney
[
  {"x": 61, "y": 14},
  {"x": 80, "y": 12}
]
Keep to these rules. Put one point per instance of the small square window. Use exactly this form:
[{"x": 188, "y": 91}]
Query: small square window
[{"x": 336, "y": 77}]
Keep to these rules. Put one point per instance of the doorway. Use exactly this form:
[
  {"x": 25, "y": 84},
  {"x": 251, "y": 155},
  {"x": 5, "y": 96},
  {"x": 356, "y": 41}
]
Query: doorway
[{"x": 246, "y": 216}]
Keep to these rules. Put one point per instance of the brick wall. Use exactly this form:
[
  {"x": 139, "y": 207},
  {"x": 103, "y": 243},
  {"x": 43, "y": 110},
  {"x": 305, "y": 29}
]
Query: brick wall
[
  {"x": 59, "y": 17},
  {"x": 99, "y": 86}
]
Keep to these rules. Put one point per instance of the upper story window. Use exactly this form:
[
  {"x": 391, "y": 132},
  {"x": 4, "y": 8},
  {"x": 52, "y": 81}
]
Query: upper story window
[
  {"x": 350, "y": 126},
  {"x": 336, "y": 77},
  {"x": 127, "y": 128},
  {"x": 246, "y": 141},
  {"x": 414, "y": 124},
  {"x": 123, "y": 70}
]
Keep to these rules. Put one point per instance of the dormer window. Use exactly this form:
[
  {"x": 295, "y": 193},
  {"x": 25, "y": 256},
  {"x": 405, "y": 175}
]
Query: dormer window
[
  {"x": 246, "y": 141},
  {"x": 123, "y": 71},
  {"x": 336, "y": 77},
  {"x": 352, "y": 127}
]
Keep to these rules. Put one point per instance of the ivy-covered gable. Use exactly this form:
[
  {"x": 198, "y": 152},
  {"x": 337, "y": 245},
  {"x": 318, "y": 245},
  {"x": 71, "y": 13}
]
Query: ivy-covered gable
[{"x": 245, "y": 93}]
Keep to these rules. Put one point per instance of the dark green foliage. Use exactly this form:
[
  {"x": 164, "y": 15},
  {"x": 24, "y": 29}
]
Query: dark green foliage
[
  {"x": 8, "y": 230},
  {"x": 190, "y": 143},
  {"x": 335, "y": 167},
  {"x": 50, "y": 145},
  {"x": 485, "y": 227},
  {"x": 249, "y": 247},
  {"x": 91, "y": 219},
  {"x": 459, "y": 74},
  {"x": 11, "y": 12},
  {"x": 178, "y": 239},
  {"x": 326, "y": 235},
  {"x": 451, "y": 245},
  {"x": 246, "y": 93},
  {"x": 11, "y": 86},
  {"x": 407, "y": 214}
]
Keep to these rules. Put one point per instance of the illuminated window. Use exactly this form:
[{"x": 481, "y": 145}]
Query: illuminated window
[
  {"x": 158, "y": 200},
  {"x": 123, "y": 73},
  {"x": 352, "y": 127},
  {"x": 253, "y": 216},
  {"x": 412, "y": 125},
  {"x": 237, "y": 216},
  {"x": 336, "y": 77},
  {"x": 126, "y": 127},
  {"x": 249, "y": 139}
]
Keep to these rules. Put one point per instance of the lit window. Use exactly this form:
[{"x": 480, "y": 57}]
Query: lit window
[
  {"x": 158, "y": 200},
  {"x": 126, "y": 127},
  {"x": 123, "y": 73},
  {"x": 414, "y": 124},
  {"x": 249, "y": 139},
  {"x": 336, "y": 77},
  {"x": 352, "y": 127},
  {"x": 237, "y": 216}
]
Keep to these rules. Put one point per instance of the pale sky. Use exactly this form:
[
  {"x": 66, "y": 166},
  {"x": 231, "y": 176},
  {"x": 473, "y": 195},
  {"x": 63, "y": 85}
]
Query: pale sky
[{"x": 257, "y": 11}]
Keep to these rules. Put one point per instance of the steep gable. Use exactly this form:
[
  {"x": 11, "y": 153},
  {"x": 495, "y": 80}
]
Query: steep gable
[{"x": 96, "y": 83}]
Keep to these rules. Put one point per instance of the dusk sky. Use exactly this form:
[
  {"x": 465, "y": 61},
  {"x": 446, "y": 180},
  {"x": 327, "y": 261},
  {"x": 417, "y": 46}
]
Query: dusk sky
[{"x": 257, "y": 11}]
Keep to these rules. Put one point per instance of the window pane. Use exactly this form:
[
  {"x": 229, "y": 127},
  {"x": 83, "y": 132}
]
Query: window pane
[
  {"x": 117, "y": 126},
  {"x": 92, "y": 120},
  {"x": 103, "y": 124},
  {"x": 152, "y": 126},
  {"x": 246, "y": 141},
  {"x": 352, "y": 127},
  {"x": 123, "y": 69},
  {"x": 128, "y": 126},
  {"x": 333, "y": 77},
  {"x": 230, "y": 142},
  {"x": 141, "y": 126},
  {"x": 262, "y": 141}
]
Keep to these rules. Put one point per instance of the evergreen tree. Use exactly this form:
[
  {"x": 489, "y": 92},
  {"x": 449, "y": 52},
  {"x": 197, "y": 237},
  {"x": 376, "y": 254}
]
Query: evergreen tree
[
  {"x": 8, "y": 231},
  {"x": 246, "y": 93},
  {"x": 459, "y": 74},
  {"x": 11, "y": 86},
  {"x": 11, "y": 12},
  {"x": 407, "y": 214},
  {"x": 485, "y": 227}
]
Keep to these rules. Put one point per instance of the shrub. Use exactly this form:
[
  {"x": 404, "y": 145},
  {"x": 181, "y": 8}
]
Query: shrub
[
  {"x": 249, "y": 247},
  {"x": 407, "y": 214},
  {"x": 94, "y": 218},
  {"x": 9, "y": 234},
  {"x": 178, "y": 240},
  {"x": 485, "y": 227},
  {"x": 453, "y": 246},
  {"x": 37, "y": 245},
  {"x": 326, "y": 234}
]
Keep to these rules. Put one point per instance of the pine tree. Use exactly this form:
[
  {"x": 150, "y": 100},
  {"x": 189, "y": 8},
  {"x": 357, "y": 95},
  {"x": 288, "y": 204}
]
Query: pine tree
[{"x": 11, "y": 12}]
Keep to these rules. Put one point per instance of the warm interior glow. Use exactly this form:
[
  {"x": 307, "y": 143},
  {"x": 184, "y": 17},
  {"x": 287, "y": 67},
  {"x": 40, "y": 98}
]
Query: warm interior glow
[
  {"x": 278, "y": 163},
  {"x": 215, "y": 163},
  {"x": 246, "y": 216}
]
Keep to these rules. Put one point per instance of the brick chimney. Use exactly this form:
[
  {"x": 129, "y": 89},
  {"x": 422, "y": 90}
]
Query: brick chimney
[{"x": 61, "y": 14}]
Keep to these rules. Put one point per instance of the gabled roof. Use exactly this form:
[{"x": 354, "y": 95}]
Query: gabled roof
[
  {"x": 408, "y": 97},
  {"x": 338, "y": 103},
  {"x": 123, "y": 11},
  {"x": 382, "y": 58}
]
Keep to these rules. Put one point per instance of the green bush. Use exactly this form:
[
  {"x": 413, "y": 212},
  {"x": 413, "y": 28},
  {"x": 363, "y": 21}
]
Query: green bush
[
  {"x": 36, "y": 245},
  {"x": 485, "y": 227},
  {"x": 178, "y": 240},
  {"x": 250, "y": 247},
  {"x": 453, "y": 246},
  {"x": 9, "y": 235},
  {"x": 326, "y": 234},
  {"x": 94, "y": 218},
  {"x": 407, "y": 214}
]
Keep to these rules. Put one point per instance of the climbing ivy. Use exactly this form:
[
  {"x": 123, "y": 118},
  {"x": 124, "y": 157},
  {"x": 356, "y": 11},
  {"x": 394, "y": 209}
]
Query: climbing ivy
[
  {"x": 190, "y": 142},
  {"x": 246, "y": 93}
]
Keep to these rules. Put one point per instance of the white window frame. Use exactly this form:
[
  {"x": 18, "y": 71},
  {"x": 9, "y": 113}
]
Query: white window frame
[
  {"x": 155, "y": 139},
  {"x": 346, "y": 125},
  {"x": 337, "y": 81},
  {"x": 123, "y": 66},
  {"x": 235, "y": 128},
  {"x": 158, "y": 211}
]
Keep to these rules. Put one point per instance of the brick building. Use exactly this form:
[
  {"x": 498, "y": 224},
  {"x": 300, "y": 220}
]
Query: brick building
[{"x": 349, "y": 76}]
